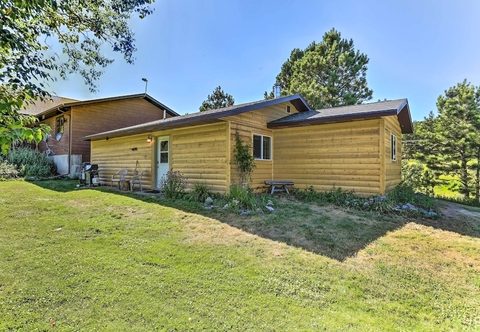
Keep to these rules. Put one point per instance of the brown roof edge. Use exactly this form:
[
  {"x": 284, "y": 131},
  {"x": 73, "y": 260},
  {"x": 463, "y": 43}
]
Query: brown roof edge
[
  {"x": 402, "y": 113},
  {"x": 405, "y": 118},
  {"x": 201, "y": 117},
  {"x": 144, "y": 96},
  {"x": 332, "y": 119}
]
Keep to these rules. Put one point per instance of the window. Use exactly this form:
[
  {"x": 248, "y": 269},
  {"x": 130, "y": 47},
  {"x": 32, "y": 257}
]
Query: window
[
  {"x": 59, "y": 126},
  {"x": 393, "y": 147},
  {"x": 288, "y": 109},
  {"x": 262, "y": 147}
]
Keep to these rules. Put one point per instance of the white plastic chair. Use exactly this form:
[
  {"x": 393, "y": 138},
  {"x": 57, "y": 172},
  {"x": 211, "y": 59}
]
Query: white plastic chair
[{"x": 119, "y": 176}]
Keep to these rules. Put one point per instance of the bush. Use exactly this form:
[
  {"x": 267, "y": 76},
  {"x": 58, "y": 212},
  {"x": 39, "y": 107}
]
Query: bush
[
  {"x": 8, "y": 171},
  {"x": 32, "y": 163},
  {"x": 173, "y": 185},
  {"x": 390, "y": 203},
  {"x": 199, "y": 193},
  {"x": 242, "y": 197}
]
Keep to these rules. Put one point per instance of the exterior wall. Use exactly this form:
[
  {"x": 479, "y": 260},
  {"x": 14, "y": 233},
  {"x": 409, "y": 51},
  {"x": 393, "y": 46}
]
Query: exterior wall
[
  {"x": 100, "y": 117},
  {"x": 247, "y": 124},
  {"x": 393, "y": 169},
  {"x": 199, "y": 153},
  {"x": 57, "y": 147},
  {"x": 345, "y": 155}
]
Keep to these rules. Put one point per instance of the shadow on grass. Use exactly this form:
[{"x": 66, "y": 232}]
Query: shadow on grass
[{"x": 327, "y": 230}]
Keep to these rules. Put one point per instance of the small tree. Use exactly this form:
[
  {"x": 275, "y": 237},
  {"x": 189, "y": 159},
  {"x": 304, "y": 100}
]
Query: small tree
[
  {"x": 218, "y": 99},
  {"x": 244, "y": 159}
]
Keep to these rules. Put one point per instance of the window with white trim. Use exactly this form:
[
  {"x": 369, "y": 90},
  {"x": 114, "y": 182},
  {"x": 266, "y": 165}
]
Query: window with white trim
[
  {"x": 393, "y": 147},
  {"x": 262, "y": 147}
]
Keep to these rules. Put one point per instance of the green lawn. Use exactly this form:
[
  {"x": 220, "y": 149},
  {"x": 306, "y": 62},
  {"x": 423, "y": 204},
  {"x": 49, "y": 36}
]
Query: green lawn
[{"x": 92, "y": 259}]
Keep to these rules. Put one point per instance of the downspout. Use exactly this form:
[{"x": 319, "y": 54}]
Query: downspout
[{"x": 69, "y": 139}]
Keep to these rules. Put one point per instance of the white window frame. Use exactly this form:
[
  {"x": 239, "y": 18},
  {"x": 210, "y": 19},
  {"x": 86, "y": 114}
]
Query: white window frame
[
  {"x": 393, "y": 147},
  {"x": 261, "y": 146}
]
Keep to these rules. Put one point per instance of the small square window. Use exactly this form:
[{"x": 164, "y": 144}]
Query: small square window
[
  {"x": 393, "y": 147},
  {"x": 262, "y": 147}
]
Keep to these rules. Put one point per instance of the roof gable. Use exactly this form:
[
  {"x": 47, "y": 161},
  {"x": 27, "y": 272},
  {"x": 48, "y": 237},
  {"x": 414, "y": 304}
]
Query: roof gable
[
  {"x": 50, "y": 109},
  {"x": 203, "y": 117},
  {"x": 398, "y": 107}
]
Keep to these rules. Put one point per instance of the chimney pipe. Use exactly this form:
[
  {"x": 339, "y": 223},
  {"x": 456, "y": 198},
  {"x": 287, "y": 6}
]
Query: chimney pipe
[
  {"x": 164, "y": 114},
  {"x": 277, "y": 90}
]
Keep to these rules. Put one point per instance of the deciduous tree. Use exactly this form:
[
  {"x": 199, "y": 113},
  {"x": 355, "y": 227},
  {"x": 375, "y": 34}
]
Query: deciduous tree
[{"x": 28, "y": 29}]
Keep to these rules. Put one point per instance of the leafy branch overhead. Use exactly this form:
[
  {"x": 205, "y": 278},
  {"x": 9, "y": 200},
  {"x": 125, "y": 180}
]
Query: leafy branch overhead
[
  {"x": 29, "y": 31},
  {"x": 327, "y": 74}
]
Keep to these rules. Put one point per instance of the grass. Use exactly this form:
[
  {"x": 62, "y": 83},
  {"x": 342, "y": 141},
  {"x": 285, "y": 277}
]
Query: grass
[
  {"x": 445, "y": 189},
  {"x": 92, "y": 259}
]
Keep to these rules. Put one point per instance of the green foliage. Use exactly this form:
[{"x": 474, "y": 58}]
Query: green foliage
[
  {"x": 199, "y": 193},
  {"x": 390, "y": 203},
  {"x": 460, "y": 200},
  {"x": 327, "y": 74},
  {"x": 173, "y": 185},
  {"x": 420, "y": 178},
  {"x": 244, "y": 159},
  {"x": 218, "y": 99},
  {"x": 32, "y": 163},
  {"x": 450, "y": 142},
  {"x": 8, "y": 171},
  {"x": 242, "y": 197},
  {"x": 82, "y": 28}
]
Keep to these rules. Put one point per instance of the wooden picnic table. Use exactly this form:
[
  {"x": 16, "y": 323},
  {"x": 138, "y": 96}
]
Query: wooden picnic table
[{"x": 276, "y": 183}]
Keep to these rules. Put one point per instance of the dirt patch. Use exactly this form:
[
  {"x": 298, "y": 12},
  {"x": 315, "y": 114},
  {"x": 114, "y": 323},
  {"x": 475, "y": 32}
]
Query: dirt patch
[{"x": 457, "y": 211}]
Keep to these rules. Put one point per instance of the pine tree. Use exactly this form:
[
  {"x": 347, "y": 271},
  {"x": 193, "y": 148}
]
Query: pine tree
[
  {"x": 218, "y": 99},
  {"x": 327, "y": 74}
]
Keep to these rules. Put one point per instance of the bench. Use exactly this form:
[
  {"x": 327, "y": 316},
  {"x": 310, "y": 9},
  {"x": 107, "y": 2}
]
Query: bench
[{"x": 275, "y": 183}]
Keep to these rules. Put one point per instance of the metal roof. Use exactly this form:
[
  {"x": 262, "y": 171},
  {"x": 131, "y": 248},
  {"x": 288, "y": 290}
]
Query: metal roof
[
  {"x": 398, "y": 107},
  {"x": 209, "y": 116}
]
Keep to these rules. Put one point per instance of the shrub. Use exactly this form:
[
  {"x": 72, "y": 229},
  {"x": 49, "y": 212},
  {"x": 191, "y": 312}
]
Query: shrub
[
  {"x": 32, "y": 163},
  {"x": 392, "y": 202},
  {"x": 244, "y": 159},
  {"x": 199, "y": 193},
  {"x": 242, "y": 197},
  {"x": 173, "y": 184},
  {"x": 8, "y": 171}
]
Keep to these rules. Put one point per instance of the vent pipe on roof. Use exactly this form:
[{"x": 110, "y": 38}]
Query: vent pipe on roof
[
  {"x": 277, "y": 90},
  {"x": 164, "y": 114}
]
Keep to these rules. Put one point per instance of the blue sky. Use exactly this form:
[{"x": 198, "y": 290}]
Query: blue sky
[{"x": 417, "y": 49}]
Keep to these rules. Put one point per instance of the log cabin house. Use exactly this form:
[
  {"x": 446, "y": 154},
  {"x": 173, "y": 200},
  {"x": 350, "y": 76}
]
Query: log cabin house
[
  {"x": 70, "y": 120},
  {"x": 353, "y": 147}
]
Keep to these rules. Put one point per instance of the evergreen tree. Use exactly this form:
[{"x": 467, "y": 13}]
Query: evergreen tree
[
  {"x": 327, "y": 74},
  {"x": 218, "y": 99},
  {"x": 450, "y": 142}
]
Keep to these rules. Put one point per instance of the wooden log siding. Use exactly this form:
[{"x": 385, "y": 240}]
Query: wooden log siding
[
  {"x": 345, "y": 155},
  {"x": 393, "y": 169},
  {"x": 58, "y": 148},
  {"x": 248, "y": 124},
  {"x": 199, "y": 153},
  {"x": 100, "y": 117}
]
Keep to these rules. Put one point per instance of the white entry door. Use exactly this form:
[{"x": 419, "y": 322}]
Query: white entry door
[{"x": 162, "y": 158}]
